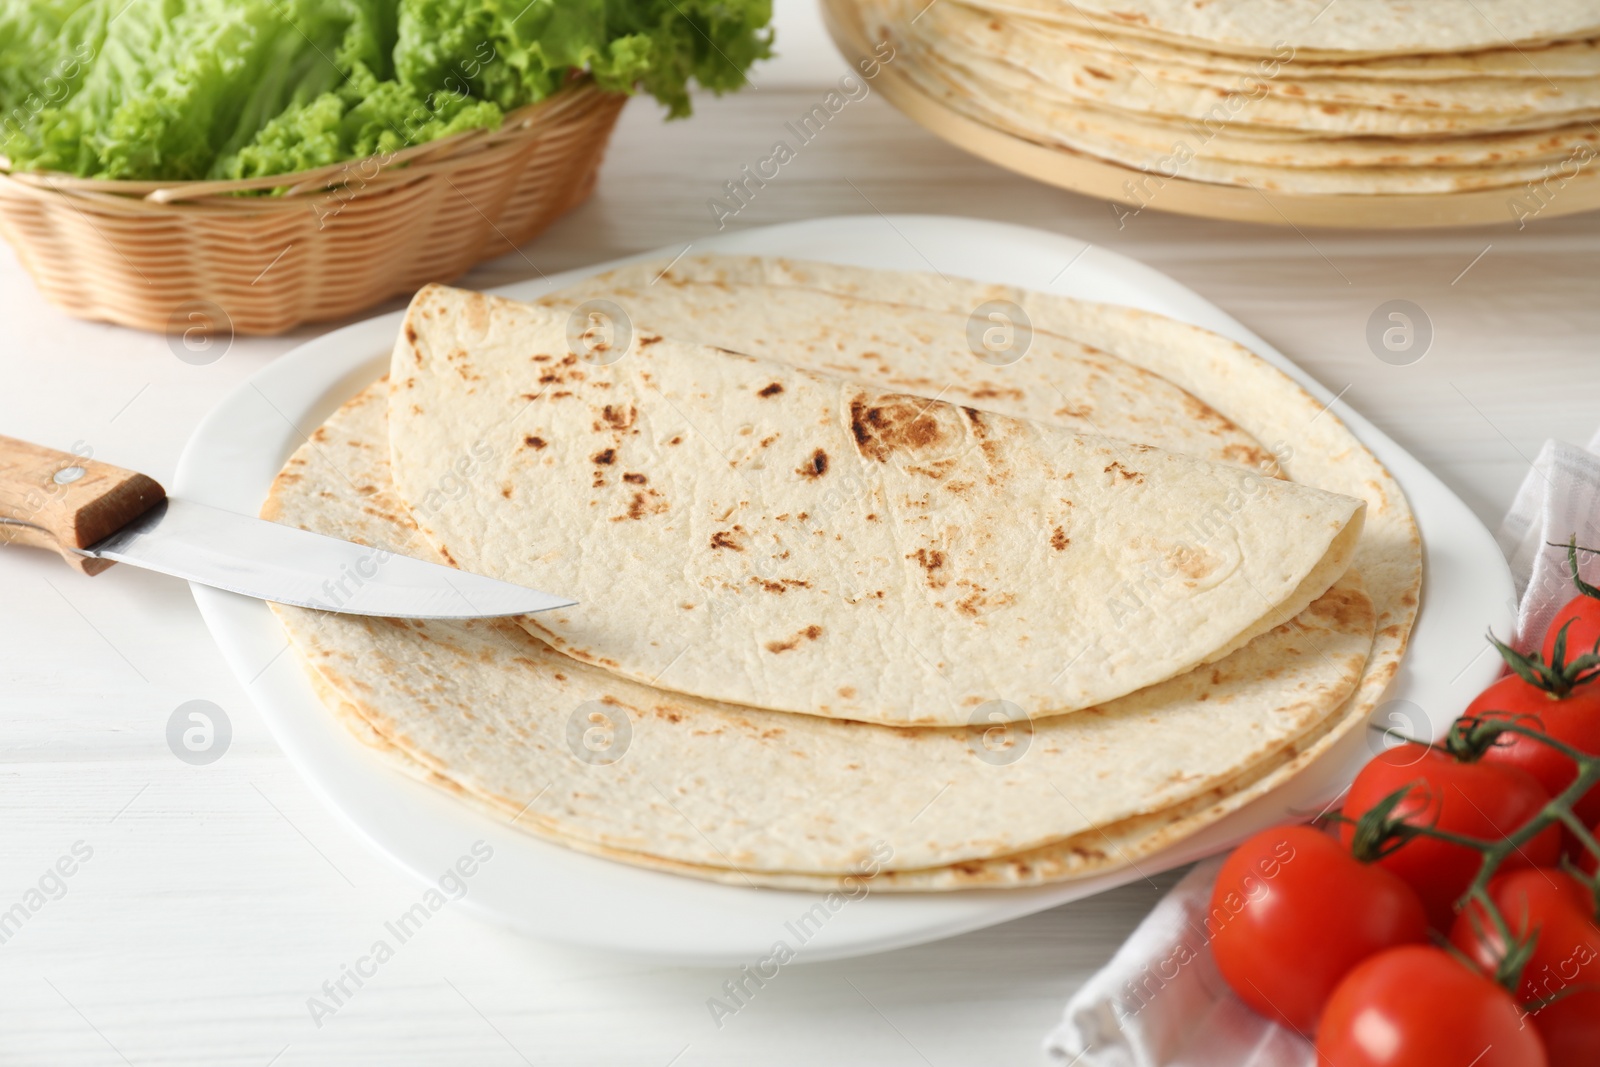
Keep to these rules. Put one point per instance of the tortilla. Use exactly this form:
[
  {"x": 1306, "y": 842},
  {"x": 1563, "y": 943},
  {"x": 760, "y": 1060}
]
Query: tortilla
[
  {"x": 486, "y": 710},
  {"x": 1280, "y": 96},
  {"x": 1155, "y": 142},
  {"x": 746, "y": 531},
  {"x": 1567, "y": 59},
  {"x": 1296, "y": 100},
  {"x": 1305, "y": 436},
  {"x": 1197, "y": 151},
  {"x": 1091, "y": 852},
  {"x": 1348, "y": 29},
  {"x": 937, "y": 354}
]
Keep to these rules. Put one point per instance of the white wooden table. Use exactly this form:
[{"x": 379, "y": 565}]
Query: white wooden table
[{"x": 217, "y": 899}]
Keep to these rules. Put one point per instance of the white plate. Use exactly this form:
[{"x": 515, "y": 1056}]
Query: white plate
[{"x": 554, "y": 893}]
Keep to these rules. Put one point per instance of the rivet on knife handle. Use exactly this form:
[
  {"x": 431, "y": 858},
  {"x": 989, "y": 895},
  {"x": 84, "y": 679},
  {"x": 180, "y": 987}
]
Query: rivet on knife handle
[{"x": 65, "y": 503}]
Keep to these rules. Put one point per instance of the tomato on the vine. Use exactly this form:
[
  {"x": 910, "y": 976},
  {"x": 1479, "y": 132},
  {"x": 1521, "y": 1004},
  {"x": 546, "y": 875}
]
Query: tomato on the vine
[
  {"x": 1292, "y": 912},
  {"x": 1415, "y": 1006},
  {"x": 1482, "y": 801},
  {"x": 1555, "y": 694},
  {"x": 1558, "y": 911},
  {"x": 1573, "y": 719},
  {"x": 1581, "y": 617}
]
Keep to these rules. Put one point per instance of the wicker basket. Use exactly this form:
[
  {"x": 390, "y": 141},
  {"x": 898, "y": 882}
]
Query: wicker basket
[{"x": 342, "y": 238}]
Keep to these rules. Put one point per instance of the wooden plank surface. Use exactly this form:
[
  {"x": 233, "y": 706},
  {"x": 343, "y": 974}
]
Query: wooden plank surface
[{"x": 218, "y": 898}]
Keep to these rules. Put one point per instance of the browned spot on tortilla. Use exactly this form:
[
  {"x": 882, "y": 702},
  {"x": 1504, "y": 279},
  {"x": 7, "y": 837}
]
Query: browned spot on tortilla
[
  {"x": 505, "y": 491},
  {"x": 1059, "y": 539},
  {"x": 780, "y": 585},
  {"x": 848, "y": 692},
  {"x": 1251, "y": 456},
  {"x": 634, "y": 479},
  {"x": 935, "y": 470},
  {"x": 1343, "y": 608},
  {"x": 1115, "y": 468},
  {"x": 931, "y": 560},
  {"x": 810, "y": 633},
  {"x": 772, "y": 390},
  {"x": 1190, "y": 563},
  {"x": 891, "y": 424},
  {"x": 647, "y": 502},
  {"x": 728, "y": 539},
  {"x": 533, "y": 442},
  {"x": 448, "y": 558},
  {"x": 1102, "y": 75},
  {"x": 411, "y": 338},
  {"x": 605, "y": 458},
  {"x": 651, "y": 340},
  {"x": 617, "y": 417},
  {"x": 815, "y": 467}
]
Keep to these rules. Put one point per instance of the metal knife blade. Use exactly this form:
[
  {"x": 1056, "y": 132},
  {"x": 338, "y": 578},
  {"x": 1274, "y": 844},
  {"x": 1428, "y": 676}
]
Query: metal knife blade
[{"x": 270, "y": 561}]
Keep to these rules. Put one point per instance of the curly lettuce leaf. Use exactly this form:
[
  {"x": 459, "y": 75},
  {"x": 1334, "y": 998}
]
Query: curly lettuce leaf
[
  {"x": 180, "y": 89},
  {"x": 661, "y": 45}
]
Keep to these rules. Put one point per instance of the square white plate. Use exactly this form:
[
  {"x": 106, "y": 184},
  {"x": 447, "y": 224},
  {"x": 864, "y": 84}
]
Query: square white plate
[{"x": 552, "y": 892}]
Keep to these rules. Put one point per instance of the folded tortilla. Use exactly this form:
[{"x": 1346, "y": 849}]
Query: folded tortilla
[
  {"x": 1308, "y": 441},
  {"x": 746, "y": 531}
]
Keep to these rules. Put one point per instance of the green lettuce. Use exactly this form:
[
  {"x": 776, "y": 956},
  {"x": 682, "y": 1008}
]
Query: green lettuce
[{"x": 185, "y": 89}]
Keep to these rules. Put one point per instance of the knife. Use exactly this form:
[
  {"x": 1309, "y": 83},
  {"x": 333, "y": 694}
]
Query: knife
[{"x": 95, "y": 515}]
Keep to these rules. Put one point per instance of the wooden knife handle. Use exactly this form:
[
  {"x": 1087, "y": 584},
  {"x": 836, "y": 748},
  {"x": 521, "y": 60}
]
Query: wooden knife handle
[{"x": 62, "y": 502}]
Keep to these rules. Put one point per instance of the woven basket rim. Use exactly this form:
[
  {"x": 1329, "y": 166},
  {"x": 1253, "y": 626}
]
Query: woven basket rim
[{"x": 517, "y": 124}]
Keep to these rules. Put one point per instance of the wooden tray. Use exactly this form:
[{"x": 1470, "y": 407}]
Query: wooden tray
[{"x": 1138, "y": 190}]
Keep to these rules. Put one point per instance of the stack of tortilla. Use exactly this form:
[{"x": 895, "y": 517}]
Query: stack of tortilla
[
  {"x": 861, "y": 591},
  {"x": 1294, "y": 96}
]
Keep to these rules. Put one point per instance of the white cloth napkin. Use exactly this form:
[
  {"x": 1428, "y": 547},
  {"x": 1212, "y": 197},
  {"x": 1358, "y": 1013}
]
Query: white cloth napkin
[
  {"x": 1160, "y": 1001},
  {"x": 1559, "y": 497}
]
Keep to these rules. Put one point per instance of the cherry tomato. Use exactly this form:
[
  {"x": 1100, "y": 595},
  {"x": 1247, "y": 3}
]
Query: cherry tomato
[
  {"x": 1573, "y": 719},
  {"x": 1566, "y": 956},
  {"x": 1293, "y": 911},
  {"x": 1415, "y": 1006},
  {"x": 1583, "y": 612},
  {"x": 1483, "y": 801}
]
